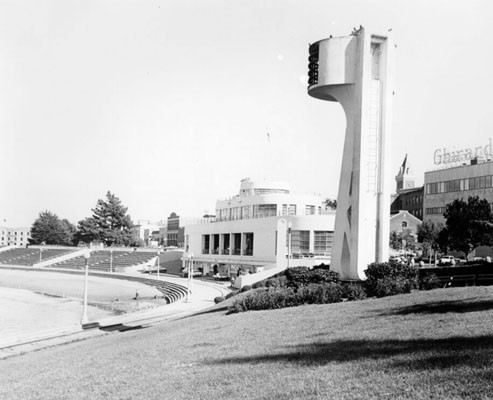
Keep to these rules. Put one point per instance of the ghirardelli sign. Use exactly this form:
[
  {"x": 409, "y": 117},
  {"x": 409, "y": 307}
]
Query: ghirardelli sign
[{"x": 445, "y": 156}]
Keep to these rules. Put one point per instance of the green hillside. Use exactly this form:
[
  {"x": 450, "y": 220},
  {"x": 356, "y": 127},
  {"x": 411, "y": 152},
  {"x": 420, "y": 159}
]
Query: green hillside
[{"x": 425, "y": 345}]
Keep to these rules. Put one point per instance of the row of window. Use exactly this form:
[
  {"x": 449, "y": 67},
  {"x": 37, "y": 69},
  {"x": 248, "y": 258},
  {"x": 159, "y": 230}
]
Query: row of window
[
  {"x": 15, "y": 233},
  {"x": 300, "y": 242},
  {"x": 435, "y": 210},
  {"x": 414, "y": 199},
  {"x": 228, "y": 244},
  {"x": 263, "y": 211},
  {"x": 458, "y": 185},
  {"x": 242, "y": 243}
]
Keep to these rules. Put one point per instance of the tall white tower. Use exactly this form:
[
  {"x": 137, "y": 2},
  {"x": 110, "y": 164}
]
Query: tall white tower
[{"x": 357, "y": 72}]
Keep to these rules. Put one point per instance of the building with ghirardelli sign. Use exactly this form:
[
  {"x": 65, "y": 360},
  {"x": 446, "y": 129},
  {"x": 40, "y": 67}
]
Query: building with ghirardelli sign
[{"x": 473, "y": 177}]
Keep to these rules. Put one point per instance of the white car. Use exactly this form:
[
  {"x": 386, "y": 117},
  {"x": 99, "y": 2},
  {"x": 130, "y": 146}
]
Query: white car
[{"x": 444, "y": 260}]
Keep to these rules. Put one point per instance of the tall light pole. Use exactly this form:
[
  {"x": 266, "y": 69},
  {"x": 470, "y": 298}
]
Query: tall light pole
[
  {"x": 158, "y": 264},
  {"x": 41, "y": 251},
  {"x": 290, "y": 226},
  {"x": 84, "y": 319},
  {"x": 111, "y": 261},
  {"x": 190, "y": 277}
]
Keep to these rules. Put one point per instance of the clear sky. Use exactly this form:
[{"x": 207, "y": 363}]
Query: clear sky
[{"x": 168, "y": 104}]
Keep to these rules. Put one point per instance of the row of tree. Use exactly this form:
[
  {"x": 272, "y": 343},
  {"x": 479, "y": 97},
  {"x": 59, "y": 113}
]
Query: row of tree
[
  {"x": 109, "y": 224},
  {"x": 469, "y": 224}
]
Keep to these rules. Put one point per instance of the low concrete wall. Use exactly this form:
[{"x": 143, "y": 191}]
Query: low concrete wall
[{"x": 250, "y": 279}]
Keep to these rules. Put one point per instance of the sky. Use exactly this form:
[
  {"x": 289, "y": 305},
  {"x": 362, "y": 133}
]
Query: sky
[{"x": 169, "y": 104}]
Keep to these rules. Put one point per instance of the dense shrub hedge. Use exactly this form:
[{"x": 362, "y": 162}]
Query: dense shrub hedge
[
  {"x": 429, "y": 281},
  {"x": 302, "y": 276},
  {"x": 272, "y": 298},
  {"x": 245, "y": 288},
  {"x": 353, "y": 292},
  {"x": 276, "y": 282},
  {"x": 218, "y": 299},
  {"x": 387, "y": 279},
  {"x": 320, "y": 293}
]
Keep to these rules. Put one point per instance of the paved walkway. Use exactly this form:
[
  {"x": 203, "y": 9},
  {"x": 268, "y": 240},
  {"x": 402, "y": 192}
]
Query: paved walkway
[{"x": 202, "y": 297}]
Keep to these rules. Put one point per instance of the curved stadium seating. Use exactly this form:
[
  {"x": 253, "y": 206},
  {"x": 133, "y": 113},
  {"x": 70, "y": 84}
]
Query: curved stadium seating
[
  {"x": 29, "y": 257},
  {"x": 100, "y": 260}
]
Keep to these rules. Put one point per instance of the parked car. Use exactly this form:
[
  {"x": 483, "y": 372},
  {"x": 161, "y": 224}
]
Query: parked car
[
  {"x": 184, "y": 273},
  {"x": 447, "y": 260}
]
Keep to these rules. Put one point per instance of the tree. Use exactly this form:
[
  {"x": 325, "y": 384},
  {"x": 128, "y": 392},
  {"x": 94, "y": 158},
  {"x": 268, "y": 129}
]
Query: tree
[
  {"x": 330, "y": 204},
  {"x": 50, "y": 229},
  {"x": 87, "y": 231},
  {"x": 109, "y": 223},
  {"x": 469, "y": 224},
  {"x": 403, "y": 240},
  {"x": 428, "y": 235}
]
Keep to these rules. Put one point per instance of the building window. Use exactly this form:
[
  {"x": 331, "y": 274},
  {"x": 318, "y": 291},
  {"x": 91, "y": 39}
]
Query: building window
[
  {"x": 215, "y": 244},
  {"x": 206, "y": 240},
  {"x": 300, "y": 242},
  {"x": 404, "y": 224},
  {"x": 235, "y": 213},
  {"x": 435, "y": 210},
  {"x": 248, "y": 250},
  {"x": 225, "y": 248},
  {"x": 245, "y": 212},
  {"x": 309, "y": 210},
  {"x": 323, "y": 242},
  {"x": 284, "y": 209},
  {"x": 292, "y": 209},
  {"x": 264, "y": 210},
  {"x": 236, "y": 244}
]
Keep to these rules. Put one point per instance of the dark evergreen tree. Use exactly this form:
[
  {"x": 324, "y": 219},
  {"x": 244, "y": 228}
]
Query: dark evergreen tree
[
  {"x": 87, "y": 231},
  {"x": 109, "y": 223},
  {"x": 50, "y": 229}
]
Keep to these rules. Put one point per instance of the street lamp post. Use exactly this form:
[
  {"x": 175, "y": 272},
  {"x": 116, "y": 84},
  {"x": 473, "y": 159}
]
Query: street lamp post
[
  {"x": 111, "y": 261},
  {"x": 84, "y": 319},
  {"x": 41, "y": 251},
  {"x": 190, "y": 277},
  {"x": 290, "y": 226},
  {"x": 158, "y": 264}
]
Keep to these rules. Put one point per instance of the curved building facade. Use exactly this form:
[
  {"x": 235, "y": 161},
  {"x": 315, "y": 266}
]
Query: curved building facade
[{"x": 246, "y": 236}]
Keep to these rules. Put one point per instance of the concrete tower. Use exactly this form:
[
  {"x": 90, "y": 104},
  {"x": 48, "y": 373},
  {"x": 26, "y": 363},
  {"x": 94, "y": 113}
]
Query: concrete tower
[{"x": 357, "y": 72}]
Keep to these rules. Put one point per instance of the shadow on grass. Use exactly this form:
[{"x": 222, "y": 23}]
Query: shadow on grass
[
  {"x": 419, "y": 354},
  {"x": 442, "y": 307},
  {"x": 212, "y": 310}
]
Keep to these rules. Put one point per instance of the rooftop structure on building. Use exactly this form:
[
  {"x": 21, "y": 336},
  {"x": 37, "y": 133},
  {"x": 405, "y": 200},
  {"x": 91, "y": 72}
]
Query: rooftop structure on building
[{"x": 407, "y": 197}]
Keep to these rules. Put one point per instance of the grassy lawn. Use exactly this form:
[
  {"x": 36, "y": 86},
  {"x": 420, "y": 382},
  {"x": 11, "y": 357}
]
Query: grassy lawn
[{"x": 426, "y": 345}]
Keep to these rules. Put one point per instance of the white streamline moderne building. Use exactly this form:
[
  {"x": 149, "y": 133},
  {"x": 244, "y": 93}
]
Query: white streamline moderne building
[{"x": 257, "y": 229}]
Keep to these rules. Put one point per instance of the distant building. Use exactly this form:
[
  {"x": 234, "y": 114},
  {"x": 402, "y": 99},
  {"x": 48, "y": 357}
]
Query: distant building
[
  {"x": 403, "y": 221},
  {"x": 410, "y": 200},
  {"x": 245, "y": 235},
  {"x": 14, "y": 236},
  {"x": 175, "y": 231},
  {"x": 474, "y": 178},
  {"x": 407, "y": 197},
  {"x": 145, "y": 230},
  {"x": 404, "y": 178}
]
